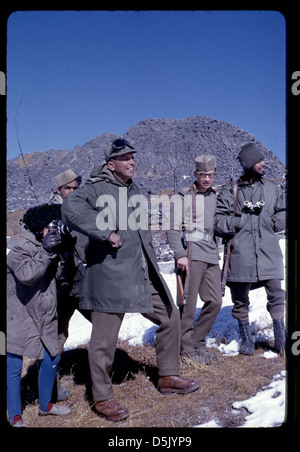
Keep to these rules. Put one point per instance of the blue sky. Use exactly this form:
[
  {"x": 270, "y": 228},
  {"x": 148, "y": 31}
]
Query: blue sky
[{"x": 81, "y": 74}]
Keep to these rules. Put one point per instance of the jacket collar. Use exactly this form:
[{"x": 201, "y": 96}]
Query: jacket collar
[
  {"x": 25, "y": 233},
  {"x": 204, "y": 193},
  {"x": 103, "y": 173},
  {"x": 242, "y": 183},
  {"x": 188, "y": 190}
]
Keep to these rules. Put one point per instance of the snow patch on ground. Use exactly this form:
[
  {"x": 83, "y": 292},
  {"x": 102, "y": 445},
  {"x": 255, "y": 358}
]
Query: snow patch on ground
[{"x": 267, "y": 407}]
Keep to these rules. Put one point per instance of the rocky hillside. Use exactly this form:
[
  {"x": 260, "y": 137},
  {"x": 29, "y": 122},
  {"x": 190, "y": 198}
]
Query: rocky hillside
[{"x": 166, "y": 151}]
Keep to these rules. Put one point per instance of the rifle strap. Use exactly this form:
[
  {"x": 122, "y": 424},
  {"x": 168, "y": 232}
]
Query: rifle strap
[
  {"x": 192, "y": 221},
  {"x": 189, "y": 242},
  {"x": 235, "y": 193},
  {"x": 226, "y": 261}
]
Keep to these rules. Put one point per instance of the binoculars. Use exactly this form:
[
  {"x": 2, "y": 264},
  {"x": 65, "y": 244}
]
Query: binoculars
[
  {"x": 61, "y": 227},
  {"x": 254, "y": 208}
]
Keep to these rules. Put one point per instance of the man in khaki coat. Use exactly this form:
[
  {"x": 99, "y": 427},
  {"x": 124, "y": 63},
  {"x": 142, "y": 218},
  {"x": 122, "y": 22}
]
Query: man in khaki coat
[
  {"x": 31, "y": 308},
  {"x": 197, "y": 256},
  {"x": 122, "y": 276}
]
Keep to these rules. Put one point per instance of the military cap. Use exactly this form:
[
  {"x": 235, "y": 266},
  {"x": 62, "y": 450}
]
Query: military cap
[
  {"x": 205, "y": 162},
  {"x": 119, "y": 147}
]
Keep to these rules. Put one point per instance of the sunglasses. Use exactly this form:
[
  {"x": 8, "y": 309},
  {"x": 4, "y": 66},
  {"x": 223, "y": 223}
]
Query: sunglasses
[{"x": 120, "y": 144}]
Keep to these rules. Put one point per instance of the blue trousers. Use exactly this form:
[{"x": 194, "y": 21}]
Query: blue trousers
[{"x": 47, "y": 374}]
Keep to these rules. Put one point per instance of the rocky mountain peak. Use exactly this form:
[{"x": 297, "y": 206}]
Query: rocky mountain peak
[{"x": 166, "y": 149}]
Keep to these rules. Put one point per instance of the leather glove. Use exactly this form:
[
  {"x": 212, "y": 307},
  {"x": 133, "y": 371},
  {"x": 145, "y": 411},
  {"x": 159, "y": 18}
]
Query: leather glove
[{"x": 51, "y": 241}]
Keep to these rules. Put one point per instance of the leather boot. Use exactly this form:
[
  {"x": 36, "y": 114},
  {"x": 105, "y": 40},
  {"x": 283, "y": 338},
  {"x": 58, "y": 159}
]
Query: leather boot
[
  {"x": 171, "y": 384},
  {"x": 247, "y": 345},
  {"x": 111, "y": 410},
  {"x": 279, "y": 335}
]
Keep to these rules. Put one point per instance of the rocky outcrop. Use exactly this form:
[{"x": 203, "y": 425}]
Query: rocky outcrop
[{"x": 167, "y": 149}]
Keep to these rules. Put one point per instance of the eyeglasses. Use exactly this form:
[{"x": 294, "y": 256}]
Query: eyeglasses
[
  {"x": 204, "y": 175},
  {"x": 120, "y": 144}
]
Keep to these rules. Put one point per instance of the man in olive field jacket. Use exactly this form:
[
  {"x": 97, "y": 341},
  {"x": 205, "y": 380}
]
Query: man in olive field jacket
[
  {"x": 122, "y": 276},
  {"x": 198, "y": 257},
  {"x": 256, "y": 258}
]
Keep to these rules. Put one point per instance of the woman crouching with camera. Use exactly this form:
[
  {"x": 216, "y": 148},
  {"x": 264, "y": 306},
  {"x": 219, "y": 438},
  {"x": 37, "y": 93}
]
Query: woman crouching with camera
[{"x": 32, "y": 266}]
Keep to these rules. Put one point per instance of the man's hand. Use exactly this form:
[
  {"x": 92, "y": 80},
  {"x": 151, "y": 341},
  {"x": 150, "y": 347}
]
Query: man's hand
[
  {"x": 183, "y": 264},
  {"x": 115, "y": 240}
]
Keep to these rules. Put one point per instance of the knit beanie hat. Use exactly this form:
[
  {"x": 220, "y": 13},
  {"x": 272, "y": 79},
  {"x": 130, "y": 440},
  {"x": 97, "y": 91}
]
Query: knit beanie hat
[{"x": 249, "y": 156}]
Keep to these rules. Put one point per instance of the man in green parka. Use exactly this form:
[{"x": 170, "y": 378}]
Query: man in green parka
[
  {"x": 256, "y": 258},
  {"x": 122, "y": 276}
]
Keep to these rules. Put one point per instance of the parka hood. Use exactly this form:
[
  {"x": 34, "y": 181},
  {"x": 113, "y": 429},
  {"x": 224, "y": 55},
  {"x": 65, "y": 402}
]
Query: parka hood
[
  {"x": 28, "y": 235},
  {"x": 102, "y": 173},
  {"x": 55, "y": 198}
]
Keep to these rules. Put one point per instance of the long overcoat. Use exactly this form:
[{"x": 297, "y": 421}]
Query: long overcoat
[
  {"x": 255, "y": 251},
  {"x": 31, "y": 299},
  {"x": 115, "y": 280}
]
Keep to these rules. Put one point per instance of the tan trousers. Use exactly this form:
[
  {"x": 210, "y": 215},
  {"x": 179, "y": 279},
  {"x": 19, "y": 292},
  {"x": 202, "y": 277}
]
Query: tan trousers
[
  {"x": 104, "y": 338},
  {"x": 205, "y": 280}
]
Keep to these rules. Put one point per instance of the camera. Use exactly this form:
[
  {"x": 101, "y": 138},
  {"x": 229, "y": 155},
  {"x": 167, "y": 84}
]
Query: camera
[
  {"x": 254, "y": 208},
  {"x": 61, "y": 227}
]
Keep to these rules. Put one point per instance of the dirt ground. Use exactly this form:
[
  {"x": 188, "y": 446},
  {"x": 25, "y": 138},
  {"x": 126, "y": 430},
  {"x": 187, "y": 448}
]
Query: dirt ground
[{"x": 226, "y": 380}]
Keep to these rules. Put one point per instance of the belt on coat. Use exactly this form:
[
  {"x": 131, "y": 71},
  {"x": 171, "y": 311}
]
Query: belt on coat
[{"x": 197, "y": 235}]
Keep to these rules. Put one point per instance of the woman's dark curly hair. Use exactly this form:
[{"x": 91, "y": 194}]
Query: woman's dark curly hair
[{"x": 37, "y": 218}]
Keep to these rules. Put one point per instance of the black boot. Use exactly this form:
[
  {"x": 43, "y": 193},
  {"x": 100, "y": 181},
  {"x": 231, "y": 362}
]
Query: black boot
[
  {"x": 280, "y": 336},
  {"x": 247, "y": 345}
]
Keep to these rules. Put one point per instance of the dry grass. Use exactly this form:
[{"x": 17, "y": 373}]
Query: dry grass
[{"x": 226, "y": 380}]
